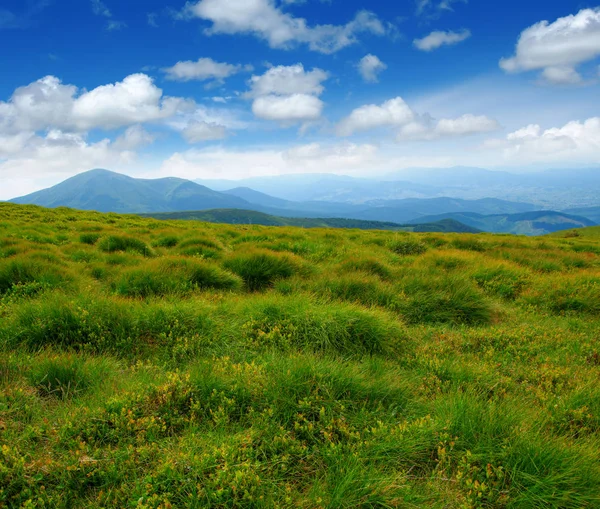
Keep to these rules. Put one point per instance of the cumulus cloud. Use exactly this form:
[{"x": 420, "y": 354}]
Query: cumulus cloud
[
  {"x": 288, "y": 80},
  {"x": 288, "y": 94},
  {"x": 203, "y": 69},
  {"x": 133, "y": 138},
  {"x": 267, "y": 21},
  {"x": 558, "y": 48},
  {"x": 288, "y": 109},
  {"x": 438, "y": 39},
  {"x": 47, "y": 103},
  {"x": 198, "y": 132},
  {"x": 576, "y": 141},
  {"x": 55, "y": 156},
  {"x": 369, "y": 67},
  {"x": 396, "y": 114},
  {"x": 465, "y": 125},
  {"x": 392, "y": 113}
]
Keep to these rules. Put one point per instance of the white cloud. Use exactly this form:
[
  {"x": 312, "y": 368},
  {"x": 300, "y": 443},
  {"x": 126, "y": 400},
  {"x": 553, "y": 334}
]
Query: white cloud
[
  {"x": 392, "y": 113},
  {"x": 47, "y": 103},
  {"x": 395, "y": 113},
  {"x": 99, "y": 8},
  {"x": 203, "y": 69},
  {"x": 265, "y": 20},
  {"x": 434, "y": 8},
  {"x": 438, "y": 39},
  {"x": 465, "y": 125},
  {"x": 288, "y": 109},
  {"x": 54, "y": 157},
  {"x": 288, "y": 80},
  {"x": 558, "y": 47},
  {"x": 342, "y": 158},
  {"x": 197, "y": 132},
  {"x": 561, "y": 76},
  {"x": 288, "y": 94},
  {"x": 575, "y": 142},
  {"x": 369, "y": 67},
  {"x": 133, "y": 138}
]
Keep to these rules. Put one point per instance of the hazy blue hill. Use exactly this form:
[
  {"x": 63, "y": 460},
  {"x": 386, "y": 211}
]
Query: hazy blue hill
[
  {"x": 556, "y": 189},
  {"x": 257, "y": 198},
  {"x": 106, "y": 191},
  {"x": 527, "y": 223},
  {"x": 591, "y": 213},
  {"x": 236, "y": 216}
]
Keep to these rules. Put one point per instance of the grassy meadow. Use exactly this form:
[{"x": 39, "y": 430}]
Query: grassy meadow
[{"x": 166, "y": 364}]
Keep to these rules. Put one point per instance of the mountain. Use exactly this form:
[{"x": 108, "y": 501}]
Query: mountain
[
  {"x": 106, "y": 191},
  {"x": 323, "y": 187},
  {"x": 237, "y": 216},
  {"x": 591, "y": 213},
  {"x": 556, "y": 189},
  {"x": 528, "y": 223}
]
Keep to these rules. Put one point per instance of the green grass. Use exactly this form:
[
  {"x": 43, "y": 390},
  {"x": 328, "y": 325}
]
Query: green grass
[{"x": 158, "y": 364}]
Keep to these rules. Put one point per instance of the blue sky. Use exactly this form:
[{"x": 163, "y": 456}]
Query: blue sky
[{"x": 237, "y": 88}]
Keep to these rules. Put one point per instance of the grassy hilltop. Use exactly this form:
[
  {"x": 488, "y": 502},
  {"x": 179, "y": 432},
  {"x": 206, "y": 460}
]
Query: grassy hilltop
[{"x": 164, "y": 364}]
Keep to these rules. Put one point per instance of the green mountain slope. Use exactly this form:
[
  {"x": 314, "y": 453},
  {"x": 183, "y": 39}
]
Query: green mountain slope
[{"x": 106, "y": 191}]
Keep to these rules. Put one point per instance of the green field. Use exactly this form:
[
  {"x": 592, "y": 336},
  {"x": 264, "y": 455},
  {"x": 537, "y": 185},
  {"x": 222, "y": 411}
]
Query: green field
[{"x": 167, "y": 364}]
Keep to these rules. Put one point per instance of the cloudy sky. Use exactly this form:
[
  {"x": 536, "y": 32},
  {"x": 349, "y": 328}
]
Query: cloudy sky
[{"x": 237, "y": 88}]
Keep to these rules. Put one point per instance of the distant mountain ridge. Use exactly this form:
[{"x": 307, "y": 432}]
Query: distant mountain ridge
[
  {"x": 528, "y": 223},
  {"x": 237, "y": 216},
  {"x": 108, "y": 191}
]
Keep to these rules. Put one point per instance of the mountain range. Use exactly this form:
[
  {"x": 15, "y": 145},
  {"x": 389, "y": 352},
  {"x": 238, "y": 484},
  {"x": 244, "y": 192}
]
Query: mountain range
[{"x": 108, "y": 191}]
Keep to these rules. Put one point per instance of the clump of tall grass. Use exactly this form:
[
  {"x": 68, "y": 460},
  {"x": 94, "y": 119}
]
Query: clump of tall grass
[
  {"x": 116, "y": 243},
  {"x": 469, "y": 244},
  {"x": 174, "y": 276},
  {"x": 366, "y": 265},
  {"x": 360, "y": 289},
  {"x": 502, "y": 281},
  {"x": 89, "y": 238},
  {"x": 260, "y": 269},
  {"x": 450, "y": 300},
  {"x": 166, "y": 241},
  {"x": 62, "y": 377},
  {"x": 28, "y": 271},
  {"x": 407, "y": 247},
  {"x": 287, "y": 322}
]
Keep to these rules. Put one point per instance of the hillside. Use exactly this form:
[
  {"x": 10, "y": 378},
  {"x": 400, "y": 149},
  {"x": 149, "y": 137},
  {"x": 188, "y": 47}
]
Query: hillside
[
  {"x": 156, "y": 364},
  {"x": 591, "y": 213},
  {"x": 237, "y": 216},
  {"x": 106, "y": 191},
  {"x": 528, "y": 223}
]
